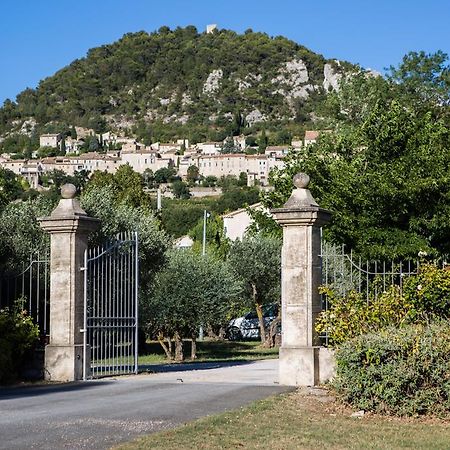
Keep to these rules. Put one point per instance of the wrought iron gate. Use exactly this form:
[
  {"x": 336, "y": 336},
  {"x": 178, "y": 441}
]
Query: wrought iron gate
[{"x": 111, "y": 308}]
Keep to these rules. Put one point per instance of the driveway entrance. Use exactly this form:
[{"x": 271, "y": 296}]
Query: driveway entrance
[{"x": 98, "y": 414}]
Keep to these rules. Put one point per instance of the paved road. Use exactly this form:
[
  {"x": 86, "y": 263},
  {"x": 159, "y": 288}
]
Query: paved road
[{"x": 98, "y": 414}]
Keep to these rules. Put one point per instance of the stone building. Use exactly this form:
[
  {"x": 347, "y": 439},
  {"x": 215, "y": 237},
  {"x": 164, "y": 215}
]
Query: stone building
[{"x": 50, "y": 140}]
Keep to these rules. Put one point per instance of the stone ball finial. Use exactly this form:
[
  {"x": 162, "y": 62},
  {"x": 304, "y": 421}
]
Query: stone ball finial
[
  {"x": 301, "y": 180},
  {"x": 68, "y": 191}
]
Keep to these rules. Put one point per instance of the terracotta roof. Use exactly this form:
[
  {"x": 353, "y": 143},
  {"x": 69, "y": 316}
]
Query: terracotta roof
[{"x": 311, "y": 135}]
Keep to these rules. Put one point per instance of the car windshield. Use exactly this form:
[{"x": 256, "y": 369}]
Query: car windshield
[{"x": 268, "y": 311}]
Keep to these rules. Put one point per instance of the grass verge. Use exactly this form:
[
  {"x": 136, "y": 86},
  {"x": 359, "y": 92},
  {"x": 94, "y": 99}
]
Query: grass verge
[
  {"x": 210, "y": 350},
  {"x": 299, "y": 421}
]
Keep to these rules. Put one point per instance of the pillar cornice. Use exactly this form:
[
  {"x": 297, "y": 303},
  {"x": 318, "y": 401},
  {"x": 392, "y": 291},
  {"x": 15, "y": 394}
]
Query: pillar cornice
[
  {"x": 302, "y": 216},
  {"x": 69, "y": 224}
]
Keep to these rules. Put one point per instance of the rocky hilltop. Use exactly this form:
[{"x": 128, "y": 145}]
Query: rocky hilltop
[{"x": 169, "y": 83}]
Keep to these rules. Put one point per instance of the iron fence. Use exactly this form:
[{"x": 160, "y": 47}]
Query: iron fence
[
  {"x": 343, "y": 272},
  {"x": 29, "y": 289}
]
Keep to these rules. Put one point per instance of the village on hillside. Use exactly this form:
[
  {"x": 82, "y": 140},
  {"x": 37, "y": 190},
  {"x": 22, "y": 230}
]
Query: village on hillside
[{"x": 232, "y": 157}]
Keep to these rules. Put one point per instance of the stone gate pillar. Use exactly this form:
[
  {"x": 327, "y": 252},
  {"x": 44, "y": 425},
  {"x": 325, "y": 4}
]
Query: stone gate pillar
[
  {"x": 69, "y": 227},
  {"x": 301, "y": 219}
]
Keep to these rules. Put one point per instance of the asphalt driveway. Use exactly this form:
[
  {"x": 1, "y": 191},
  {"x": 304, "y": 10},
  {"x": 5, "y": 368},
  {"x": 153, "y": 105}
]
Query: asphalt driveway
[{"x": 98, "y": 414}]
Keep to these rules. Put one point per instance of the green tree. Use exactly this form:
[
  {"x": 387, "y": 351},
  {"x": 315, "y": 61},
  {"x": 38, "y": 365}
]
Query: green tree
[
  {"x": 180, "y": 189},
  {"x": 209, "y": 181},
  {"x": 216, "y": 241},
  {"x": 165, "y": 175},
  {"x": 384, "y": 170},
  {"x": 121, "y": 215},
  {"x": 243, "y": 179},
  {"x": 20, "y": 232},
  {"x": 263, "y": 141},
  {"x": 193, "y": 174},
  {"x": 148, "y": 178},
  {"x": 229, "y": 146},
  {"x": 10, "y": 187},
  {"x": 189, "y": 291},
  {"x": 257, "y": 263},
  {"x": 126, "y": 183}
]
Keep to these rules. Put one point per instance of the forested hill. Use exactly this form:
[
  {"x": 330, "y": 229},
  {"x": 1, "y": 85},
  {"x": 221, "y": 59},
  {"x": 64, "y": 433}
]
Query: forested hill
[{"x": 171, "y": 82}]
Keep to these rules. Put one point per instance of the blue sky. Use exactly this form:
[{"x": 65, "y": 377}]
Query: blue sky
[{"x": 39, "y": 37}]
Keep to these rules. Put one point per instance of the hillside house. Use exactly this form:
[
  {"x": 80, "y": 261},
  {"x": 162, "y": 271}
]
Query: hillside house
[
  {"x": 236, "y": 223},
  {"x": 50, "y": 140},
  {"x": 209, "y": 148}
]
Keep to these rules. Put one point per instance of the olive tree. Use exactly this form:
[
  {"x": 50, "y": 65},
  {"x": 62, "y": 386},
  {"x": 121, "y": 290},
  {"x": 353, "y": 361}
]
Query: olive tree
[
  {"x": 256, "y": 261},
  {"x": 188, "y": 292}
]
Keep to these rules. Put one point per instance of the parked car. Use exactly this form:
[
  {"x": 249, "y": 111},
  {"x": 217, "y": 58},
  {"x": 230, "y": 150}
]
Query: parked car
[{"x": 247, "y": 326}]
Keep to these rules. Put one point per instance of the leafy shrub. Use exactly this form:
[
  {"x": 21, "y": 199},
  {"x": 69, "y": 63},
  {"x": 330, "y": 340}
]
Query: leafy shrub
[
  {"x": 402, "y": 371},
  {"x": 17, "y": 334},
  {"x": 428, "y": 293},
  {"x": 422, "y": 298},
  {"x": 353, "y": 315}
]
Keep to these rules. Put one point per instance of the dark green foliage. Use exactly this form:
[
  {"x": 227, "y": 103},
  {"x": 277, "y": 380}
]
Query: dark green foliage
[
  {"x": 397, "y": 371},
  {"x": 56, "y": 178},
  {"x": 192, "y": 174},
  {"x": 256, "y": 261},
  {"x": 180, "y": 216},
  {"x": 20, "y": 143},
  {"x": 237, "y": 198},
  {"x": 180, "y": 189},
  {"x": 229, "y": 147},
  {"x": 148, "y": 178},
  {"x": 17, "y": 335},
  {"x": 383, "y": 171},
  {"x": 216, "y": 241},
  {"x": 130, "y": 76},
  {"x": 11, "y": 187},
  {"x": 20, "y": 233},
  {"x": 127, "y": 185},
  {"x": 189, "y": 291},
  {"x": 428, "y": 294},
  {"x": 119, "y": 214},
  {"x": 165, "y": 175}
]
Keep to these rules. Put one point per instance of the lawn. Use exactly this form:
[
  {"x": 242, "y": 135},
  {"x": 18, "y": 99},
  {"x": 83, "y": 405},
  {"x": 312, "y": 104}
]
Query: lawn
[
  {"x": 212, "y": 350},
  {"x": 299, "y": 420}
]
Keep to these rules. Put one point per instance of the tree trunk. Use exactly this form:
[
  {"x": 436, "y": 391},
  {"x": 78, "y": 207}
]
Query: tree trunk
[
  {"x": 179, "y": 356},
  {"x": 167, "y": 349},
  {"x": 262, "y": 329},
  {"x": 271, "y": 335},
  {"x": 194, "y": 347}
]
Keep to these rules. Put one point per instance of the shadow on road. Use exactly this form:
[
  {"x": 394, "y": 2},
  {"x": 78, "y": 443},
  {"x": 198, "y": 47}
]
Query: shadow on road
[
  {"x": 8, "y": 393},
  {"x": 183, "y": 367}
]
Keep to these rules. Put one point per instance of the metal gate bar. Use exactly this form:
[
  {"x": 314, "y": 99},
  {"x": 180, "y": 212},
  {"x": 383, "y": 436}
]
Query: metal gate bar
[{"x": 111, "y": 308}]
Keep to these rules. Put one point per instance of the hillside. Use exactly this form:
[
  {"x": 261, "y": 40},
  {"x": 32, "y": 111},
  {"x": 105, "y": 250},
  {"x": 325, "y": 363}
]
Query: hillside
[{"x": 179, "y": 83}]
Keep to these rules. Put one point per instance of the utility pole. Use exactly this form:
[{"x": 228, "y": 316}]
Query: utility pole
[
  {"x": 158, "y": 199},
  {"x": 205, "y": 216}
]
